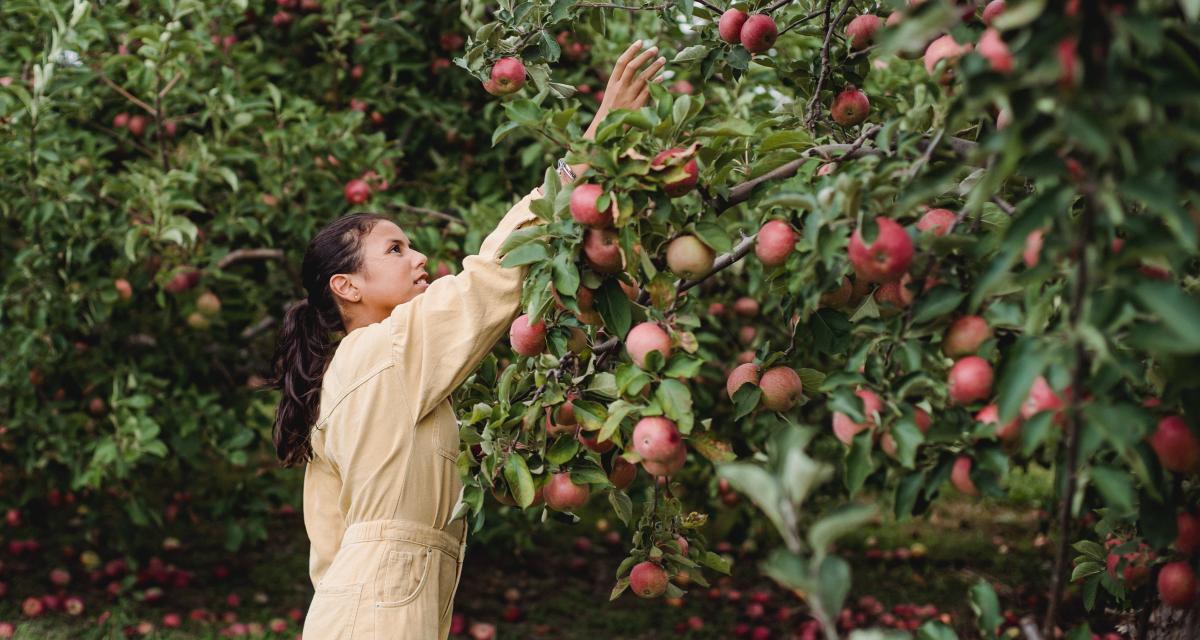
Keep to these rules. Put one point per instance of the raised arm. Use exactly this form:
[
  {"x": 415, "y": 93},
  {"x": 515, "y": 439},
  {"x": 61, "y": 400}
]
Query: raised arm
[{"x": 440, "y": 336}]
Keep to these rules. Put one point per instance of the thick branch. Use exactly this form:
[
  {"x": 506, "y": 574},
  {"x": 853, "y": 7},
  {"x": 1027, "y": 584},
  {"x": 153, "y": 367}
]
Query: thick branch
[
  {"x": 722, "y": 262},
  {"x": 1082, "y": 364},
  {"x": 239, "y": 255}
]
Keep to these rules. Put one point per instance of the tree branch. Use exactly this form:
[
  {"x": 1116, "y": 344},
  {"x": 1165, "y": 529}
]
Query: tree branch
[
  {"x": 609, "y": 5},
  {"x": 448, "y": 217},
  {"x": 814, "y": 102},
  {"x": 128, "y": 96},
  {"x": 1078, "y": 378},
  {"x": 723, "y": 261},
  {"x": 710, "y": 6},
  {"x": 238, "y": 255}
]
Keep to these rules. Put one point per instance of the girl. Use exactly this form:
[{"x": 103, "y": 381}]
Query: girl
[{"x": 370, "y": 413}]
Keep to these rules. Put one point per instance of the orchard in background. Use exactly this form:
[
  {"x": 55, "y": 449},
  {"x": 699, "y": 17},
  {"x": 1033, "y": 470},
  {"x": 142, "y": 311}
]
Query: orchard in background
[{"x": 854, "y": 251}]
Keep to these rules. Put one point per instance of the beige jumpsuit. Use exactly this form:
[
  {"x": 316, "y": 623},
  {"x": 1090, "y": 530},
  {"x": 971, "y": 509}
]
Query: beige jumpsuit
[{"x": 382, "y": 485}]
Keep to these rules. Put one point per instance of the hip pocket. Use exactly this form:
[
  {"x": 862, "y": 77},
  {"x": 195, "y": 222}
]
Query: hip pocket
[
  {"x": 402, "y": 574},
  {"x": 332, "y": 612}
]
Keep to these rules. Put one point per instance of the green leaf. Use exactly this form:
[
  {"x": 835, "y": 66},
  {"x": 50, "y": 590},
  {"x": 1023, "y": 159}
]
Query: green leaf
[
  {"x": 939, "y": 301},
  {"x": 836, "y": 524},
  {"x": 859, "y": 463},
  {"x": 622, "y": 505},
  {"x": 681, "y": 365},
  {"x": 714, "y": 236},
  {"x": 1091, "y": 549},
  {"x": 714, "y": 562},
  {"x": 520, "y": 482},
  {"x": 1117, "y": 488},
  {"x": 614, "y": 307},
  {"x": 676, "y": 401},
  {"x": 986, "y": 605},
  {"x": 1179, "y": 312},
  {"x": 788, "y": 569},
  {"x": 793, "y": 139},
  {"x": 520, "y": 237},
  {"x": 1024, "y": 364},
  {"x": 525, "y": 254},
  {"x": 934, "y": 630},
  {"x": 730, "y": 127},
  {"x": 524, "y": 111},
  {"x": 761, "y": 487},
  {"x": 707, "y": 445},
  {"x": 907, "y": 492},
  {"x": 908, "y": 437},
  {"x": 689, "y": 54},
  {"x": 1191, "y": 9},
  {"x": 566, "y": 276},
  {"x": 563, "y": 449},
  {"x": 745, "y": 400},
  {"x": 1085, "y": 569},
  {"x": 833, "y": 583}
]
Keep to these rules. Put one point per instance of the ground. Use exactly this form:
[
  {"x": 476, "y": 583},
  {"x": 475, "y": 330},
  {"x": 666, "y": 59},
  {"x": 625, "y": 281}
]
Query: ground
[{"x": 902, "y": 572}]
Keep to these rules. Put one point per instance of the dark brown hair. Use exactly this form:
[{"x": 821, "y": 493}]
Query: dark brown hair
[{"x": 306, "y": 341}]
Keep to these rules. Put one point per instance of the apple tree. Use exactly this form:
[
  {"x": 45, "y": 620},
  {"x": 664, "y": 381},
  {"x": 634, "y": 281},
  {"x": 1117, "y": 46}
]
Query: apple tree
[{"x": 974, "y": 238}]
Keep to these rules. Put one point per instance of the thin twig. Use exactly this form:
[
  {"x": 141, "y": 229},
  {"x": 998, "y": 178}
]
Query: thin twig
[
  {"x": 609, "y": 5},
  {"x": 128, "y": 96},
  {"x": 1004, "y": 205},
  {"x": 813, "y": 108},
  {"x": 258, "y": 327},
  {"x": 800, "y": 21},
  {"x": 238, "y": 255},
  {"x": 771, "y": 8},
  {"x": 710, "y": 6},
  {"x": 171, "y": 84},
  {"x": 925, "y": 157},
  {"x": 722, "y": 262}
]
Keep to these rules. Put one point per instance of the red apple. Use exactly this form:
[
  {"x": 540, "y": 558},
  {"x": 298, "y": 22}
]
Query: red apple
[
  {"x": 730, "y": 25},
  {"x": 681, "y": 186},
  {"x": 758, "y": 33},
  {"x": 648, "y": 580},
  {"x": 746, "y": 307},
  {"x": 1187, "y": 540},
  {"x": 563, "y": 495},
  {"x": 944, "y": 48},
  {"x": 603, "y": 251},
  {"x": 1177, "y": 585},
  {"x": 781, "y": 388},
  {"x": 508, "y": 76},
  {"x": 993, "y": 48},
  {"x": 1042, "y": 398},
  {"x": 583, "y": 206},
  {"x": 850, "y": 107},
  {"x": 991, "y": 415},
  {"x": 993, "y": 9},
  {"x": 357, "y": 191},
  {"x": 939, "y": 221},
  {"x": 861, "y": 31},
  {"x": 888, "y": 256},
  {"x": 742, "y": 374},
  {"x": 656, "y": 439},
  {"x": 960, "y": 476},
  {"x": 137, "y": 125},
  {"x": 970, "y": 380},
  {"x": 1177, "y": 448},
  {"x": 1033, "y": 247},
  {"x": 689, "y": 258},
  {"x": 965, "y": 336},
  {"x": 528, "y": 339},
  {"x": 124, "y": 289},
  {"x": 121, "y": 120},
  {"x": 622, "y": 474},
  {"x": 643, "y": 339},
  {"x": 845, "y": 428},
  {"x": 669, "y": 467},
  {"x": 775, "y": 242}
]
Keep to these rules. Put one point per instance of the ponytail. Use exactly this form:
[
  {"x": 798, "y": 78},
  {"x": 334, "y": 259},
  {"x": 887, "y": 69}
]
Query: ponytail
[{"x": 306, "y": 341}]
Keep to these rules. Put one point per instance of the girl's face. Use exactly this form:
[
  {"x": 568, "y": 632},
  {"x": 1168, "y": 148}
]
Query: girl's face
[{"x": 391, "y": 274}]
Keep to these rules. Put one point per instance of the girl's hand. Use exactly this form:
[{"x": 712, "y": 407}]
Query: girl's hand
[{"x": 629, "y": 85}]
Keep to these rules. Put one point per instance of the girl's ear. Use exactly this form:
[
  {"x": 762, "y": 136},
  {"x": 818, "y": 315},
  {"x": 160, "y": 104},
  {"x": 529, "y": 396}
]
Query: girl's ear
[{"x": 343, "y": 288}]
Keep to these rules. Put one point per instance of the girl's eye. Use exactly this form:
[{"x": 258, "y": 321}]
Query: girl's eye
[{"x": 395, "y": 247}]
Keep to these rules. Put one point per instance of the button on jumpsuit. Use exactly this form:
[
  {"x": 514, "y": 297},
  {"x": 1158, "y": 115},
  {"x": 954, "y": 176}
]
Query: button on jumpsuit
[{"x": 382, "y": 485}]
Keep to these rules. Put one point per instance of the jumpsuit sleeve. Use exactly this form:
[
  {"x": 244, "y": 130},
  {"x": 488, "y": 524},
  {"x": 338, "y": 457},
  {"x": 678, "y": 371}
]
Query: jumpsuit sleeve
[{"x": 439, "y": 337}]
